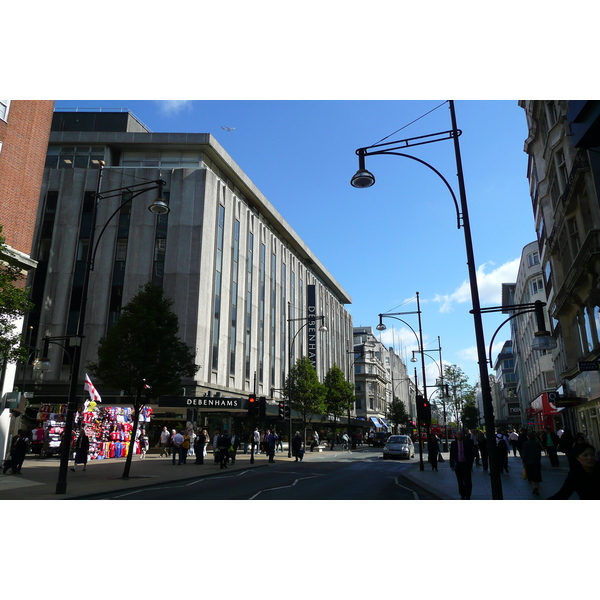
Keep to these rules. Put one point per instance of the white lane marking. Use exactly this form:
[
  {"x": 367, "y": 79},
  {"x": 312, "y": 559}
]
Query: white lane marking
[
  {"x": 413, "y": 491},
  {"x": 282, "y": 486}
]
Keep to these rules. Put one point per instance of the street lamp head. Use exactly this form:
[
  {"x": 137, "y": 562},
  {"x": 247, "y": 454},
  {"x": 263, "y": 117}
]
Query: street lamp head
[
  {"x": 413, "y": 359},
  {"x": 159, "y": 207},
  {"x": 381, "y": 327},
  {"x": 323, "y": 328},
  {"x": 543, "y": 340},
  {"x": 362, "y": 179}
]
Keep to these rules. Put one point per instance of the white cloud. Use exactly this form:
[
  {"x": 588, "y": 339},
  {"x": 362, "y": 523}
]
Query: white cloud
[
  {"x": 489, "y": 284},
  {"x": 173, "y": 107}
]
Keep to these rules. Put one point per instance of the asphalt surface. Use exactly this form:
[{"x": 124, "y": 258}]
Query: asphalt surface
[{"x": 39, "y": 476}]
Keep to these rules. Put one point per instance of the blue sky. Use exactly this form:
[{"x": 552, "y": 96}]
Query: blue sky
[{"x": 399, "y": 237}]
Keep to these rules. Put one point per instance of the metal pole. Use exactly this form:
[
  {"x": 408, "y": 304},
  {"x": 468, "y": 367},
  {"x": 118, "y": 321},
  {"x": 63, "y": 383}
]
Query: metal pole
[
  {"x": 61, "y": 484},
  {"x": 486, "y": 393}
]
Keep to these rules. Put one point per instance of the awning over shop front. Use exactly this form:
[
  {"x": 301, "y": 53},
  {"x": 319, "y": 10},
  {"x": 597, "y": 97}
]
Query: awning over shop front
[
  {"x": 384, "y": 423},
  {"x": 376, "y": 422}
]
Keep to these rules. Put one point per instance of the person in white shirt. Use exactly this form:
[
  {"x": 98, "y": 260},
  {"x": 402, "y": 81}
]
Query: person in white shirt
[
  {"x": 163, "y": 442},
  {"x": 178, "y": 447},
  {"x": 513, "y": 438}
]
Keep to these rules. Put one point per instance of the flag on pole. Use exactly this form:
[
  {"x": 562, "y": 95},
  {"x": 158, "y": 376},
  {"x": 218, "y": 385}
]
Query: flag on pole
[{"x": 89, "y": 387}]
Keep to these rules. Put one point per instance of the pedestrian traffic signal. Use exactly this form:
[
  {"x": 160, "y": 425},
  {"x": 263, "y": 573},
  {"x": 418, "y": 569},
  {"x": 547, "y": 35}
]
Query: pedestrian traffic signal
[
  {"x": 263, "y": 407},
  {"x": 252, "y": 405},
  {"x": 423, "y": 410},
  {"x": 281, "y": 408}
]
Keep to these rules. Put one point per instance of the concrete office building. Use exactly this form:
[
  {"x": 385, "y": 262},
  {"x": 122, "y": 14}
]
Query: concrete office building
[{"x": 235, "y": 270}]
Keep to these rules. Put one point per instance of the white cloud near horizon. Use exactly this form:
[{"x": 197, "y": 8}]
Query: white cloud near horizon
[
  {"x": 173, "y": 107},
  {"x": 489, "y": 284}
]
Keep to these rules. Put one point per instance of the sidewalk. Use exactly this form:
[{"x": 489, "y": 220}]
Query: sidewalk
[
  {"x": 39, "y": 476},
  {"x": 443, "y": 481}
]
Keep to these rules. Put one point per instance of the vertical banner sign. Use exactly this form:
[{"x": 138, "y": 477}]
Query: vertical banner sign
[{"x": 311, "y": 296}]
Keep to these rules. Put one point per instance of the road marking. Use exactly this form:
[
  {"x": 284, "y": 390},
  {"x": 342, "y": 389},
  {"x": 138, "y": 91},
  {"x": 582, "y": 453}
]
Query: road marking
[
  {"x": 283, "y": 486},
  {"x": 414, "y": 493}
]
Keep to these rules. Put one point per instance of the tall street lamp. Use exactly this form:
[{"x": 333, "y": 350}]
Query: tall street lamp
[
  {"x": 158, "y": 207},
  {"x": 364, "y": 179},
  {"x": 382, "y": 327},
  {"x": 309, "y": 320}
]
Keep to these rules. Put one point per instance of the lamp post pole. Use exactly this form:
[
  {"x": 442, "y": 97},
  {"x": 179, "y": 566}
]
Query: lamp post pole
[
  {"x": 364, "y": 178},
  {"x": 159, "y": 207}
]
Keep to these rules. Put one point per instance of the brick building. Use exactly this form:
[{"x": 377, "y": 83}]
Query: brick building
[{"x": 24, "y": 134}]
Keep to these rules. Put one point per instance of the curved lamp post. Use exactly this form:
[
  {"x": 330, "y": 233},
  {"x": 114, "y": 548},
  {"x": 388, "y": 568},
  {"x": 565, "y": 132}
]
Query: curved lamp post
[
  {"x": 158, "y": 207},
  {"x": 291, "y": 340},
  {"x": 419, "y": 338},
  {"x": 364, "y": 179}
]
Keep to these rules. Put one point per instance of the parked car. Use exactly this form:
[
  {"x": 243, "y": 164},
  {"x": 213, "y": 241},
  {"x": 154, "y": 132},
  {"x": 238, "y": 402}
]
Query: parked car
[
  {"x": 378, "y": 439},
  {"x": 399, "y": 446}
]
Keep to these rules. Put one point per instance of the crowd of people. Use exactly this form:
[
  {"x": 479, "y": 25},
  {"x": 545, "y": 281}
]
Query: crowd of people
[{"x": 470, "y": 449}]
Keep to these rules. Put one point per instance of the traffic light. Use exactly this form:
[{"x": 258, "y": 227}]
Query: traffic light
[
  {"x": 423, "y": 410},
  {"x": 263, "y": 407},
  {"x": 286, "y": 410},
  {"x": 281, "y": 408},
  {"x": 252, "y": 405}
]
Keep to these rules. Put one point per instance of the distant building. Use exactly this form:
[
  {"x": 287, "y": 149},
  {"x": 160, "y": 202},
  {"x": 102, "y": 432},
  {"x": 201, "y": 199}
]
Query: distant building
[
  {"x": 237, "y": 273},
  {"x": 24, "y": 132}
]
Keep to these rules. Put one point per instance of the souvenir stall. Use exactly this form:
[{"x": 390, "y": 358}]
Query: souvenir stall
[
  {"x": 52, "y": 419},
  {"x": 110, "y": 429}
]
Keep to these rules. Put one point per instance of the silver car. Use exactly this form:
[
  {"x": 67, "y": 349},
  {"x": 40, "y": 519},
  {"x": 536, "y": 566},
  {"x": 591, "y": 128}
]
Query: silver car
[{"x": 399, "y": 446}]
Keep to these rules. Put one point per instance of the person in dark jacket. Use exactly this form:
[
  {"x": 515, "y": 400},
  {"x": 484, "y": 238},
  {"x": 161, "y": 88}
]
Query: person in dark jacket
[
  {"x": 223, "y": 443},
  {"x": 483, "y": 449},
  {"x": 199, "y": 443},
  {"x": 461, "y": 462},
  {"x": 433, "y": 450},
  {"x": 82, "y": 448},
  {"x": 297, "y": 446},
  {"x": 531, "y": 455},
  {"x": 583, "y": 478},
  {"x": 565, "y": 445},
  {"x": 18, "y": 450}
]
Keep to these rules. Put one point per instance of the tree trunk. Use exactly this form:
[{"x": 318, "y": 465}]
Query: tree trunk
[{"x": 137, "y": 407}]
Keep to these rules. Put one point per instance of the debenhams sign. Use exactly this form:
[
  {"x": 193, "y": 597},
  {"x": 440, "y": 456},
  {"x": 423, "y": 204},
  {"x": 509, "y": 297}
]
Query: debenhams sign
[{"x": 204, "y": 403}]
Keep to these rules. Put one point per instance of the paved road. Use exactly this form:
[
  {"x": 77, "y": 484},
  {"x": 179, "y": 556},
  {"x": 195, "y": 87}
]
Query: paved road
[{"x": 361, "y": 475}]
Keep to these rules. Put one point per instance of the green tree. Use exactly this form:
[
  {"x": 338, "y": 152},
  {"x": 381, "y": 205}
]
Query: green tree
[
  {"x": 470, "y": 414},
  {"x": 458, "y": 386},
  {"x": 143, "y": 349},
  {"x": 396, "y": 413},
  {"x": 304, "y": 391},
  {"x": 339, "y": 398},
  {"x": 14, "y": 303}
]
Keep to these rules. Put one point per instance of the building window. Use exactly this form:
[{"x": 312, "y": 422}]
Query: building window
[
  {"x": 533, "y": 259},
  {"x": 169, "y": 160},
  {"x": 218, "y": 279},
  {"x": 249, "y": 259},
  {"x": 561, "y": 169},
  {"x": 74, "y": 157},
  {"x": 4, "y": 106},
  {"x": 234, "y": 296},
  {"x": 536, "y": 285}
]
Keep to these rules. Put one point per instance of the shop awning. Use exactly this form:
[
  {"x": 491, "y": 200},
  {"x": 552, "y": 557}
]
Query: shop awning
[
  {"x": 376, "y": 422},
  {"x": 384, "y": 423}
]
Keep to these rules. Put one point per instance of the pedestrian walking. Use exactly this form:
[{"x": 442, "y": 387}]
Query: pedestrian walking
[
  {"x": 315, "y": 442},
  {"x": 164, "y": 442},
  {"x": 565, "y": 445},
  {"x": 143, "y": 442},
  {"x": 233, "y": 447},
  {"x": 584, "y": 478},
  {"x": 18, "y": 451},
  {"x": 256, "y": 441},
  {"x": 199, "y": 444},
  {"x": 531, "y": 455},
  {"x": 82, "y": 448},
  {"x": 550, "y": 441},
  {"x": 513, "y": 438},
  {"x": 185, "y": 446},
  {"x": 433, "y": 450},
  {"x": 503, "y": 448},
  {"x": 271, "y": 442},
  {"x": 215, "y": 445},
  {"x": 177, "y": 440},
  {"x": 461, "y": 462},
  {"x": 223, "y": 443},
  {"x": 297, "y": 446},
  {"x": 483, "y": 449}
]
